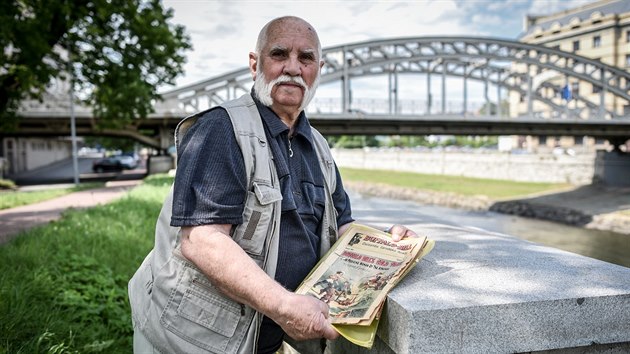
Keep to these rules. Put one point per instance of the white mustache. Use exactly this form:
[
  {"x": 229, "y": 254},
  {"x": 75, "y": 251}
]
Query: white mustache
[{"x": 290, "y": 79}]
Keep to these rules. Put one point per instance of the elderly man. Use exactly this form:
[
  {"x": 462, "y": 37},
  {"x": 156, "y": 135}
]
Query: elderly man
[{"x": 252, "y": 212}]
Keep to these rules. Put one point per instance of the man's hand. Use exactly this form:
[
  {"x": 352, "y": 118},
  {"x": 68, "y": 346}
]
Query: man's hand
[
  {"x": 399, "y": 232},
  {"x": 304, "y": 317}
]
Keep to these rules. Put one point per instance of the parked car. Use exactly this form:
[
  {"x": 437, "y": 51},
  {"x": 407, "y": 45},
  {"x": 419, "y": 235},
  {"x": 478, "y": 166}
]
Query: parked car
[
  {"x": 114, "y": 164},
  {"x": 108, "y": 164},
  {"x": 127, "y": 162}
]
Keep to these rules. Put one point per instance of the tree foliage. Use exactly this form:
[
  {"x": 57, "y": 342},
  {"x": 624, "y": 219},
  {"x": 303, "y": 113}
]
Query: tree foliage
[{"x": 118, "y": 51}]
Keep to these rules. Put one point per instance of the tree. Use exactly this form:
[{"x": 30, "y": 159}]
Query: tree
[
  {"x": 354, "y": 141},
  {"x": 118, "y": 51}
]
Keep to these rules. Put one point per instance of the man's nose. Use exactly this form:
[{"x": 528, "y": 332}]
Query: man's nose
[{"x": 292, "y": 66}]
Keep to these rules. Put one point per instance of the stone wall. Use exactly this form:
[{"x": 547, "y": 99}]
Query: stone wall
[
  {"x": 484, "y": 292},
  {"x": 577, "y": 170}
]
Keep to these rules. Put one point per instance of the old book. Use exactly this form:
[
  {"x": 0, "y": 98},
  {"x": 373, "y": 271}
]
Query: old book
[{"x": 354, "y": 277}]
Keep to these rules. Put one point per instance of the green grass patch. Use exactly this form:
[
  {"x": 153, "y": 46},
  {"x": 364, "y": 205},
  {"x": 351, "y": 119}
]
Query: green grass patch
[
  {"x": 12, "y": 199},
  {"x": 63, "y": 286},
  {"x": 495, "y": 189}
]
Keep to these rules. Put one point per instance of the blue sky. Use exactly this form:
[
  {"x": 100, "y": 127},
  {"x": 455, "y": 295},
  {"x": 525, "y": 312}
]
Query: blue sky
[{"x": 224, "y": 32}]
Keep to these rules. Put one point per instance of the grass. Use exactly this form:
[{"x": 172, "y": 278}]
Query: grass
[
  {"x": 495, "y": 189},
  {"x": 12, "y": 199},
  {"x": 63, "y": 286}
]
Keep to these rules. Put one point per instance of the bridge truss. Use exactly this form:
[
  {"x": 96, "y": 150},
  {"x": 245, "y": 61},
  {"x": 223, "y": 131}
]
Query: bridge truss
[
  {"x": 535, "y": 73},
  {"x": 508, "y": 65}
]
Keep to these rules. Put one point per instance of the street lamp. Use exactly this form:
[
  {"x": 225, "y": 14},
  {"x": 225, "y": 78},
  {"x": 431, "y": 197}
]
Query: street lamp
[{"x": 73, "y": 128}]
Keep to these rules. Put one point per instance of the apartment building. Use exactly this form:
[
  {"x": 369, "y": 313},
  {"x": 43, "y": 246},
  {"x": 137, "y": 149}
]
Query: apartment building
[{"x": 599, "y": 31}]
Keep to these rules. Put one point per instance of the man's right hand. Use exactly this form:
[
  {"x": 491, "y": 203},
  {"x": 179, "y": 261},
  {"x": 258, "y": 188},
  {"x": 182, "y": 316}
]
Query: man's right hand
[{"x": 304, "y": 317}]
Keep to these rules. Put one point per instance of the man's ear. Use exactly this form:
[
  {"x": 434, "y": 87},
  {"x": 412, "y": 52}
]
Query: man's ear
[
  {"x": 321, "y": 64},
  {"x": 253, "y": 62}
]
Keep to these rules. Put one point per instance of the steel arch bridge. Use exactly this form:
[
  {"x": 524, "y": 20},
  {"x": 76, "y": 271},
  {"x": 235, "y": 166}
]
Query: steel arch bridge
[
  {"x": 506, "y": 64},
  {"x": 533, "y": 72}
]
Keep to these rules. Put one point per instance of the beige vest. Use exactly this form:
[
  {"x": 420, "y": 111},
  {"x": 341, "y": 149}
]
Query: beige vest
[{"x": 172, "y": 303}]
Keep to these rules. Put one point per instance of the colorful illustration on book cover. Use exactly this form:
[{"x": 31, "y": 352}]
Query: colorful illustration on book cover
[{"x": 352, "y": 282}]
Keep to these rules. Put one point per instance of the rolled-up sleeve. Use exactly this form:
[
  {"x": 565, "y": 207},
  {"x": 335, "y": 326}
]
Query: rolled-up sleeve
[{"x": 210, "y": 183}]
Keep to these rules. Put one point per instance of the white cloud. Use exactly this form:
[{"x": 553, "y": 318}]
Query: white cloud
[{"x": 223, "y": 33}]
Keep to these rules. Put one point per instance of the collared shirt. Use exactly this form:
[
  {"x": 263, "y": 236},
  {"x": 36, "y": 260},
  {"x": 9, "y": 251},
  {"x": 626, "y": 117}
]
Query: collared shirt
[{"x": 211, "y": 187}]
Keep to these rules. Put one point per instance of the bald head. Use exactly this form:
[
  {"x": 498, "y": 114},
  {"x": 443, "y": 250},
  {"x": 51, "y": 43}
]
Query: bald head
[{"x": 287, "y": 24}]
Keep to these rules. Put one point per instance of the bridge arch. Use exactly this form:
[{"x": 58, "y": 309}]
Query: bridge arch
[{"x": 498, "y": 62}]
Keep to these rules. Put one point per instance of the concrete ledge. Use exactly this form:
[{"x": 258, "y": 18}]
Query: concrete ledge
[{"x": 481, "y": 292}]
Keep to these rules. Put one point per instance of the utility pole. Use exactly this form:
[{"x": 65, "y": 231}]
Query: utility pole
[{"x": 73, "y": 128}]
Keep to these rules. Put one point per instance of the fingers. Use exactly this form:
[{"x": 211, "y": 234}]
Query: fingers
[
  {"x": 330, "y": 333},
  {"x": 307, "y": 318},
  {"x": 399, "y": 232}
]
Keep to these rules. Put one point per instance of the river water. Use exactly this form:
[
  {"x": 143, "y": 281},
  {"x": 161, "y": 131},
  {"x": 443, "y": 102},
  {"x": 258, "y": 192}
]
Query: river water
[{"x": 603, "y": 245}]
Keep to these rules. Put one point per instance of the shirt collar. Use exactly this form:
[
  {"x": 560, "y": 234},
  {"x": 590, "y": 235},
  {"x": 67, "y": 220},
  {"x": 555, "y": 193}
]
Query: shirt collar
[{"x": 276, "y": 126}]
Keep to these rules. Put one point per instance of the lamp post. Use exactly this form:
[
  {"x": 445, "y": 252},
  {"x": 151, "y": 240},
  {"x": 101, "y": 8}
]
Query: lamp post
[{"x": 73, "y": 129}]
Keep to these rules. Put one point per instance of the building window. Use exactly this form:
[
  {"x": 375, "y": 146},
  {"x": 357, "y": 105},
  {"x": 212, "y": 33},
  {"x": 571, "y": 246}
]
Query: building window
[
  {"x": 597, "y": 88},
  {"x": 575, "y": 89},
  {"x": 626, "y": 110},
  {"x": 576, "y": 46},
  {"x": 556, "y": 47},
  {"x": 627, "y": 60},
  {"x": 597, "y": 41},
  {"x": 628, "y": 36}
]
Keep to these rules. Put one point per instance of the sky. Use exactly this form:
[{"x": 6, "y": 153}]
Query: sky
[{"x": 224, "y": 32}]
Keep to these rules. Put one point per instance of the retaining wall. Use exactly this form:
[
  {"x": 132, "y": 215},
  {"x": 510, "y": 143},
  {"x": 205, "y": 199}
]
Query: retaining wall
[
  {"x": 483, "y": 292},
  {"x": 577, "y": 170}
]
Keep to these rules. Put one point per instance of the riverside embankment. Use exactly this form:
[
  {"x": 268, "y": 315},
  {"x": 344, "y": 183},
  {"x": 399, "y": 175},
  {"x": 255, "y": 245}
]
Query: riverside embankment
[{"x": 594, "y": 206}]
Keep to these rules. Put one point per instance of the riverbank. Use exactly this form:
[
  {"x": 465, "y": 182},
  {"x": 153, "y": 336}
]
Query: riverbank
[{"x": 591, "y": 206}]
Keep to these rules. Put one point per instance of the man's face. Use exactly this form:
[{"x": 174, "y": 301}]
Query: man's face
[{"x": 287, "y": 67}]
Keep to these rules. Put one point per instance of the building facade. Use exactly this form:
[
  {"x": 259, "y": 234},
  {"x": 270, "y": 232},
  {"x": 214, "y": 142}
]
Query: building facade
[
  {"x": 23, "y": 154},
  {"x": 599, "y": 31}
]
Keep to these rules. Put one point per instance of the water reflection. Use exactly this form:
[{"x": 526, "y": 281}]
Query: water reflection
[{"x": 603, "y": 245}]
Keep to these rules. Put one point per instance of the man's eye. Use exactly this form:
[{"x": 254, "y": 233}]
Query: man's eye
[
  {"x": 278, "y": 54},
  {"x": 307, "y": 57}
]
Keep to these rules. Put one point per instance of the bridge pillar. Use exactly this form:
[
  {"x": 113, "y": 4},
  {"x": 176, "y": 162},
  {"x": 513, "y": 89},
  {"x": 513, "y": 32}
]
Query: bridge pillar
[
  {"x": 393, "y": 92},
  {"x": 499, "y": 109},
  {"x": 530, "y": 102},
  {"x": 602, "y": 96},
  {"x": 465, "y": 110},
  {"x": 443, "y": 87},
  {"x": 429, "y": 87},
  {"x": 612, "y": 168},
  {"x": 345, "y": 85},
  {"x": 167, "y": 138}
]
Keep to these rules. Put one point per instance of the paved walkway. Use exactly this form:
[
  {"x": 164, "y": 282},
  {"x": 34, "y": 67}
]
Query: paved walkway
[{"x": 15, "y": 220}]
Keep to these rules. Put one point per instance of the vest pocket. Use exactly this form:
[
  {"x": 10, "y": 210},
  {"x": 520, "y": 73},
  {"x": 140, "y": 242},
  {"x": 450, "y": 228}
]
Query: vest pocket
[
  {"x": 202, "y": 316},
  {"x": 257, "y": 216}
]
